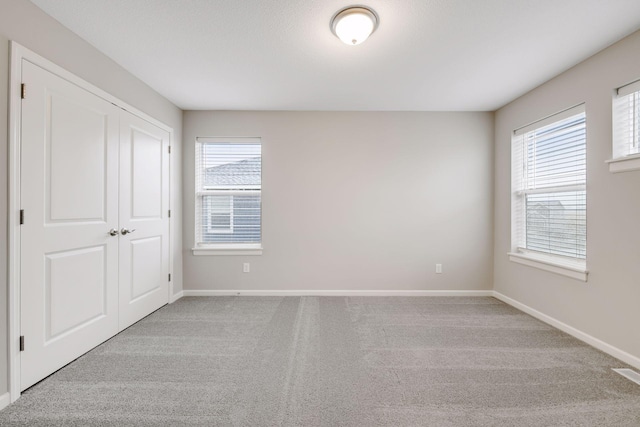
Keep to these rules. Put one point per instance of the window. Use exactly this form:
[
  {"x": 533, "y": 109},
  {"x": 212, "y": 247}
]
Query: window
[
  {"x": 626, "y": 129},
  {"x": 228, "y": 196},
  {"x": 549, "y": 193},
  {"x": 220, "y": 214}
]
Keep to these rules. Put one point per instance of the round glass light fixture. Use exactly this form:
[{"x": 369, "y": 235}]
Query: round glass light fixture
[{"x": 354, "y": 24}]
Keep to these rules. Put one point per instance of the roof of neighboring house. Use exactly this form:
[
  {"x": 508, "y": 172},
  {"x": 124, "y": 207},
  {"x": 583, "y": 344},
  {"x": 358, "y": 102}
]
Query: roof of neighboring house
[
  {"x": 244, "y": 172},
  {"x": 549, "y": 204}
]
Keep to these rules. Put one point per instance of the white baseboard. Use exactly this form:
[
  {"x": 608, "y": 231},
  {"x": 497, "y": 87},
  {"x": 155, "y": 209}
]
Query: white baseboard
[
  {"x": 5, "y": 400},
  {"x": 176, "y": 297},
  {"x": 582, "y": 336},
  {"x": 407, "y": 293}
]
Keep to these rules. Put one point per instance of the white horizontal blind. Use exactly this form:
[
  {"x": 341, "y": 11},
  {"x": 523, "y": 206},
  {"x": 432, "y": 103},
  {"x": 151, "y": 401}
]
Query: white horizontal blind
[
  {"x": 551, "y": 186},
  {"x": 626, "y": 121},
  {"x": 228, "y": 191}
]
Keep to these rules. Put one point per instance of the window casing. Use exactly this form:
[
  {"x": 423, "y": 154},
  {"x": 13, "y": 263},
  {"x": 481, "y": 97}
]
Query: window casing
[
  {"x": 228, "y": 191},
  {"x": 626, "y": 128},
  {"x": 549, "y": 190}
]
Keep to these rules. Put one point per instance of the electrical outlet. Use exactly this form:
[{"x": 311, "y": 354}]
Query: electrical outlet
[
  {"x": 246, "y": 267},
  {"x": 439, "y": 268}
]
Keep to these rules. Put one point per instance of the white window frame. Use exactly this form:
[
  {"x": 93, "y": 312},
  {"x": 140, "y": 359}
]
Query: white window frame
[
  {"x": 625, "y": 148},
  {"x": 223, "y": 248},
  {"x": 566, "y": 266}
]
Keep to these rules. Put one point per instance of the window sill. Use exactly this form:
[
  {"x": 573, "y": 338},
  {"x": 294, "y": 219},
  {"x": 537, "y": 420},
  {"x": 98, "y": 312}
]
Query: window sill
[
  {"x": 227, "y": 250},
  {"x": 574, "y": 269},
  {"x": 624, "y": 164}
]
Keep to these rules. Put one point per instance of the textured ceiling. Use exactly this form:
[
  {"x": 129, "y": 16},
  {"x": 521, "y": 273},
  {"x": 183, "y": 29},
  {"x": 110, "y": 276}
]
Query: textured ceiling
[{"x": 426, "y": 55}]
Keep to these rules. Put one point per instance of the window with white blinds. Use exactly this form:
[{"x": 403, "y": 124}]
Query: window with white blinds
[
  {"x": 549, "y": 182},
  {"x": 228, "y": 192},
  {"x": 626, "y": 120}
]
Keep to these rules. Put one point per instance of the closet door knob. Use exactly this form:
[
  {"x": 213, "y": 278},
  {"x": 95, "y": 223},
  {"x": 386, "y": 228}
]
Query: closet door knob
[
  {"x": 126, "y": 231},
  {"x": 113, "y": 232}
]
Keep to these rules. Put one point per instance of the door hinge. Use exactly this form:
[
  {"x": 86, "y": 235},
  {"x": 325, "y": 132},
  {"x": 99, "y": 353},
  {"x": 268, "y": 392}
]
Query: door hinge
[
  {"x": 169, "y": 276},
  {"x": 169, "y": 149},
  {"x": 169, "y": 213},
  {"x": 21, "y": 216},
  {"x": 21, "y": 342},
  {"x": 23, "y": 91}
]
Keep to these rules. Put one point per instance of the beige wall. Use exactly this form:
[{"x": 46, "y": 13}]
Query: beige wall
[
  {"x": 23, "y": 22},
  {"x": 357, "y": 201},
  {"x": 607, "y": 306}
]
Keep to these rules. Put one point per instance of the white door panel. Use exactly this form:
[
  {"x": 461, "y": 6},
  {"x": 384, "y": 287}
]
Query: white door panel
[
  {"x": 69, "y": 193},
  {"x": 144, "y": 207},
  {"x": 146, "y": 255},
  {"x": 74, "y": 278},
  {"x": 77, "y": 188},
  {"x": 147, "y": 170}
]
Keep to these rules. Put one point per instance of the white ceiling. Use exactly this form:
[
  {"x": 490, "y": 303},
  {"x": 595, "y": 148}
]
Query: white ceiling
[{"x": 426, "y": 55}]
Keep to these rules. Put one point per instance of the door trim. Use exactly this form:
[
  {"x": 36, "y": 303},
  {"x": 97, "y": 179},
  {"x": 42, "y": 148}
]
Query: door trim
[{"x": 19, "y": 53}]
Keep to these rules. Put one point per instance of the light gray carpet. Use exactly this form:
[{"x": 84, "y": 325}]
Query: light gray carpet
[{"x": 335, "y": 361}]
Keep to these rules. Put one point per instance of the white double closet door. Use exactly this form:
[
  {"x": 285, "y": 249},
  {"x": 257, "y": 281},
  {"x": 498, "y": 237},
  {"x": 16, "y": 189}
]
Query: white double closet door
[{"x": 95, "y": 238}]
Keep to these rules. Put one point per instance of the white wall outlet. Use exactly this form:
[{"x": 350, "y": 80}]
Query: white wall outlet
[
  {"x": 439, "y": 268},
  {"x": 246, "y": 267}
]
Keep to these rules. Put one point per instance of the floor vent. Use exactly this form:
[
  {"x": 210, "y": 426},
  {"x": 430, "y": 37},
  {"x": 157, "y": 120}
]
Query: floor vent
[{"x": 629, "y": 374}]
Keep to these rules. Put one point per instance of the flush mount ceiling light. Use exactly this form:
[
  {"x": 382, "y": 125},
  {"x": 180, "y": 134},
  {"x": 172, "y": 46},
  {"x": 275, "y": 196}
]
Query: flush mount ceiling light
[{"x": 354, "y": 24}]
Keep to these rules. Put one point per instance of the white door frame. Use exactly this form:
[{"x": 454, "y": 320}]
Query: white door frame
[{"x": 18, "y": 54}]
